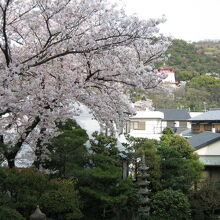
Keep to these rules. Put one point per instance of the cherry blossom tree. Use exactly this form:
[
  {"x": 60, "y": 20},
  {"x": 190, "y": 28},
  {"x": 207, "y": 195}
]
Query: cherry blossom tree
[{"x": 57, "y": 54}]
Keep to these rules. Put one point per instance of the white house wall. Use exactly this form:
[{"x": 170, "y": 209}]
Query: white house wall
[
  {"x": 188, "y": 125},
  {"x": 164, "y": 124},
  {"x": 153, "y": 128},
  {"x": 210, "y": 150},
  {"x": 170, "y": 77},
  {"x": 177, "y": 124},
  {"x": 145, "y": 135}
]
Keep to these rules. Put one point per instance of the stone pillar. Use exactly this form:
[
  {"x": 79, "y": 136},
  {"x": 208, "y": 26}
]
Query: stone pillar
[
  {"x": 124, "y": 168},
  {"x": 38, "y": 215}
]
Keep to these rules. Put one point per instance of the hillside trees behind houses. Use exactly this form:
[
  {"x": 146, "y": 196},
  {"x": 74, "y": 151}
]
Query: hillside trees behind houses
[
  {"x": 198, "y": 94},
  {"x": 188, "y": 60}
]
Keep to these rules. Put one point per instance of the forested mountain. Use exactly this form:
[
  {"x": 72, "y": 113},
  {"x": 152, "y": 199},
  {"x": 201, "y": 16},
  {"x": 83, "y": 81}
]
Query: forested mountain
[
  {"x": 192, "y": 59},
  {"x": 211, "y": 48}
]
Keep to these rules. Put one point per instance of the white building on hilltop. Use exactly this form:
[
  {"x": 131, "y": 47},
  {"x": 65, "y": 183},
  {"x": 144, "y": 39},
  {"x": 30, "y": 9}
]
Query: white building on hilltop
[{"x": 169, "y": 72}]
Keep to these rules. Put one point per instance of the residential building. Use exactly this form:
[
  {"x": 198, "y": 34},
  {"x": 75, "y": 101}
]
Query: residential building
[
  {"x": 208, "y": 121},
  {"x": 150, "y": 124},
  {"x": 207, "y": 146},
  {"x": 176, "y": 119},
  {"x": 204, "y": 136},
  {"x": 145, "y": 124}
]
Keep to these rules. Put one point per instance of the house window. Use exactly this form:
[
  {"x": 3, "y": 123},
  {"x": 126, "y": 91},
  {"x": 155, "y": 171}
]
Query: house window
[
  {"x": 138, "y": 125},
  {"x": 208, "y": 127}
]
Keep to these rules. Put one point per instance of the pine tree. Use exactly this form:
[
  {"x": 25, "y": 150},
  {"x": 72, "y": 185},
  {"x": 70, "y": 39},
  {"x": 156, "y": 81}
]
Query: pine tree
[
  {"x": 106, "y": 195},
  {"x": 65, "y": 154}
]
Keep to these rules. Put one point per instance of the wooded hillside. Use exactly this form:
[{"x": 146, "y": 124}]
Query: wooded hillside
[
  {"x": 197, "y": 58},
  {"x": 198, "y": 64}
]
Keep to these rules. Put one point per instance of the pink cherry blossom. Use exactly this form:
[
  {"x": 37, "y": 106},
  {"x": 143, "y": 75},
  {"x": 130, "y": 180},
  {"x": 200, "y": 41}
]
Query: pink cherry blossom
[{"x": 55, "y": 54}]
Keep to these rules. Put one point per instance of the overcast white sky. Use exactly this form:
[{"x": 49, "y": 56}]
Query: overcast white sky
[{"x": 190, "y": 20}]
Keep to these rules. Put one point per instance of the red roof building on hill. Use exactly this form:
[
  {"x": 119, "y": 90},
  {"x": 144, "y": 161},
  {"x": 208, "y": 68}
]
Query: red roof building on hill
[{"x": 165, "y": 69}]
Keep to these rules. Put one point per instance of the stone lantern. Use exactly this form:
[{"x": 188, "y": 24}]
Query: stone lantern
[
  {"x": 38, "y": 215},
  {"x": 143, "y": 189}
]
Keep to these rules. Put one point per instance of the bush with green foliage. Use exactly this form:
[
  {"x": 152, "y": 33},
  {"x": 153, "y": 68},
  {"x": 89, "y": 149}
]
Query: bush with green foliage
[
  {"x": 23, "y": 189},
  {"x": 186, "y": 75},
  {"x": 61, "y": 203},
  {"x": 173, "y": 166},
  {"x": 170, "y": 204},
  {"x": 206, "y": 82},
  {"x": 7, "y": 213}
]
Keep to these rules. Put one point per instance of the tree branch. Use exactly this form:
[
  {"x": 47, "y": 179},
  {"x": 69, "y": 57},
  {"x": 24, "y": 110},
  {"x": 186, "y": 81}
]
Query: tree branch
[
  {"x": 27, "y": 132},
  {"x": 6, "y": 49}
]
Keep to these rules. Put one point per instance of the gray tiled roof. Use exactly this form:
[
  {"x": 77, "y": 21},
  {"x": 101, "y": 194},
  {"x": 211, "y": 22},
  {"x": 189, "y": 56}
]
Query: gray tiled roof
[
  {"x": 203, "y": 139},
  {"x": 213, "y": 115},
  {"x": 188, "y": 133},
  {"x": 175, "y": 114}
]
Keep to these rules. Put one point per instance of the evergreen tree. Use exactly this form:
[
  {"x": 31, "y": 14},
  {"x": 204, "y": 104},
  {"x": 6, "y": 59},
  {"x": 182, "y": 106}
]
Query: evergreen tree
[
  {"x": 105, "y": 194},
  {"x": 134, "y": 152},
  {"x": 180, "y": 166},
  {"x": 66, "y": 154}
]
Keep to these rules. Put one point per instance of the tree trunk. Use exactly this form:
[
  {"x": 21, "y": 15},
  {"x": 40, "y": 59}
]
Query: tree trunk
[
  {"x": 10, "y": 157},
  {"x": 11, "y": 162},
  {"x": 11, "y": 154},
  {"x": 39, "y": 150}
]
